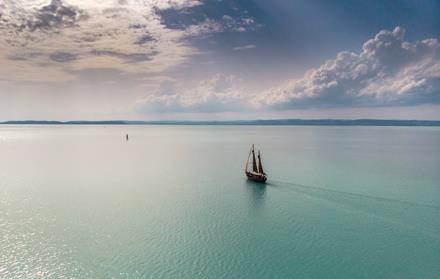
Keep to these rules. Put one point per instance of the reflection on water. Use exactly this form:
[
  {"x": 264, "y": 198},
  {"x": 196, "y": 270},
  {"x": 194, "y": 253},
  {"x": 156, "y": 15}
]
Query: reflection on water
[{"x": 257, "y": 193}]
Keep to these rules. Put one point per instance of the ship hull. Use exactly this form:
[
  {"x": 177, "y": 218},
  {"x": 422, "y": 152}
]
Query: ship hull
[{"x": 256, "y": 177}]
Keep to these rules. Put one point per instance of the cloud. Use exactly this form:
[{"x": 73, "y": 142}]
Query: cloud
[
  {"x": 56, "y": 14},
  {"x": 225, "y": 15},
  {"x": 240, "y": 24},
  {"x": 128, "y": 57},
  {"x": 245, "y": 47},
  {"x": 388, "y": 71},
  {"x": 49, "y": 41},
  {"x": 219, "y": 93},
  {"x": 61, "y": 57}
]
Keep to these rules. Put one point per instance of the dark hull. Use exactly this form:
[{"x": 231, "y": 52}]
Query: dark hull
[{"x": 256, "y": 177}]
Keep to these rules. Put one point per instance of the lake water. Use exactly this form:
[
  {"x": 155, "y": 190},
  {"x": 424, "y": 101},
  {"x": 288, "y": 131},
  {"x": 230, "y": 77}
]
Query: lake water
[{"x": 173, "y": 202}]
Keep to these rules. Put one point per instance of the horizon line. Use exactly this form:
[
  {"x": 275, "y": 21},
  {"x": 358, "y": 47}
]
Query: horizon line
[{"x": 251, "y": 122}]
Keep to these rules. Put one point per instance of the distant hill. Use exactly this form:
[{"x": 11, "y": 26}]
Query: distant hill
[{"x": 271, "y": 122}]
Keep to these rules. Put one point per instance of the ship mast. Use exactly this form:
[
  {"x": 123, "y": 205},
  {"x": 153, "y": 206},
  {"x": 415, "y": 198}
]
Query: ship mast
[
  {"x": 254, "y": 162},
  {"x": 260, "y": 165},
  {"x": 247, "y": 162}
]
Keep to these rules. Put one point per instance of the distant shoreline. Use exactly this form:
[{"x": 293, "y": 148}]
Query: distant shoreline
[{"x": 271, "y": 122}]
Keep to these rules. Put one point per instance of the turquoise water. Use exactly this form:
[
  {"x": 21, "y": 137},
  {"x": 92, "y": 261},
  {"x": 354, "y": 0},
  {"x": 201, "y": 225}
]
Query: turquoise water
[{"x": 172, "y": 202}]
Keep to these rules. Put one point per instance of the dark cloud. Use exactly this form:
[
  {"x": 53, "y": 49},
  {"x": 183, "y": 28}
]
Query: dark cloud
[
  {"x": 23, "y": 56},
  {"x": 55, "y": 15},
  {"x": 144, "y": 39},
  {"x": 137, "y": 26},
  {"x": 90, "y": 37},
  {"x": 62, "y": 57},
  {"x": 129, "y": 57}
]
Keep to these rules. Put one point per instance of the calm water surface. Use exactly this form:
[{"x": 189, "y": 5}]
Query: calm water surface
[{"x": 172, "y": 202}]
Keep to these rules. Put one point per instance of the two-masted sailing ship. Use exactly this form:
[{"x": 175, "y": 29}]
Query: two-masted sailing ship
[{"x": 257, "y": 174}]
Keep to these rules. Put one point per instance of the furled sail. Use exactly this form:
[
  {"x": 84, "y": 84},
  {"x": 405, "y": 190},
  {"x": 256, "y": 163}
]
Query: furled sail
[
  {"x": 260, "y": 165},
  {"x": 254, "y": 162}
]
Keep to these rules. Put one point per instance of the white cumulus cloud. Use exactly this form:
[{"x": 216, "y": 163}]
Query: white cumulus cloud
[
  {"x": 219, "y": 93},
  {"x": 388, "y": 71}
]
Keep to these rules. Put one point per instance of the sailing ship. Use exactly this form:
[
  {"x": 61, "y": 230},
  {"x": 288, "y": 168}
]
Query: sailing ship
[{"x": 257, "y": 174}]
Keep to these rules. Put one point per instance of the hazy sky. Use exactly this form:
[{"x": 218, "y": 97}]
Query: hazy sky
[{"x": 214, "y": 59}]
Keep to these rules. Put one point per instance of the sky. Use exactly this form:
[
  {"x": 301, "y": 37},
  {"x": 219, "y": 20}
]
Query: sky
[{"x": 219, "y": 59}]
